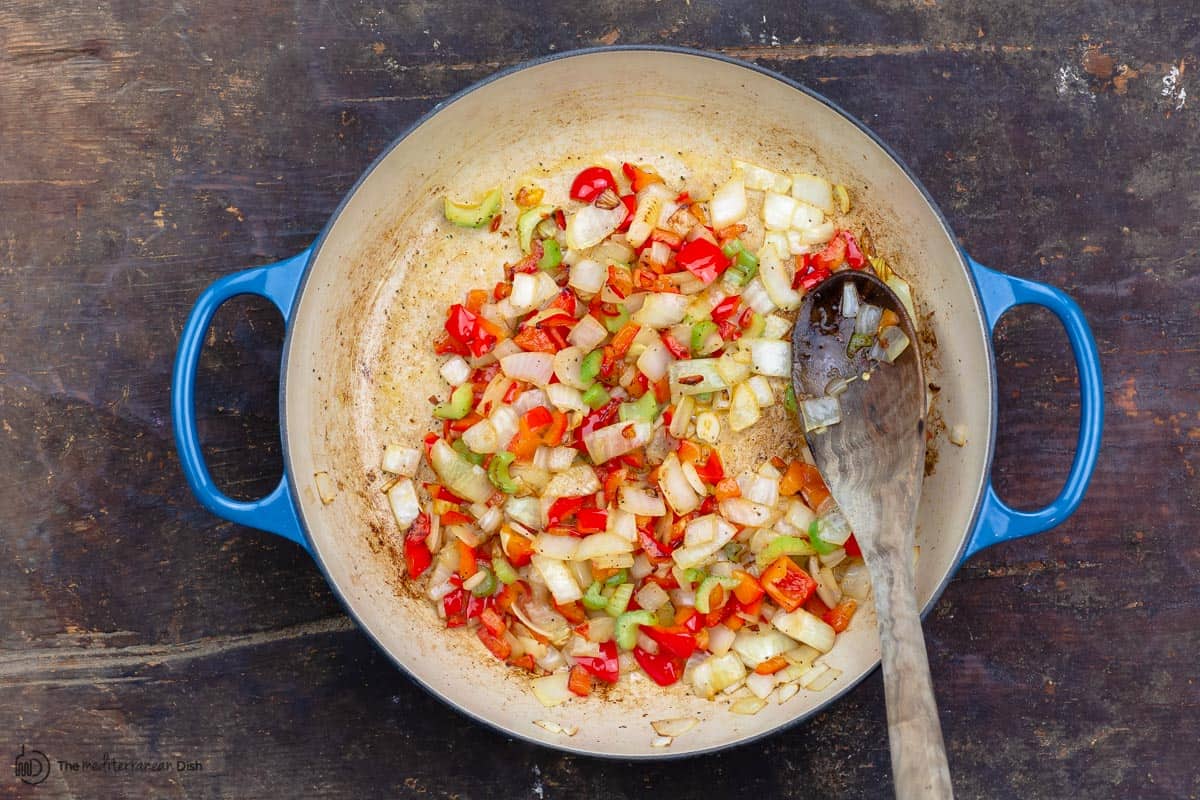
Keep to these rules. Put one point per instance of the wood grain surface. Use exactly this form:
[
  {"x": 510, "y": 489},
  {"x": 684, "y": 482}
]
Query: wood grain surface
[{"x": 148, "y": 148}]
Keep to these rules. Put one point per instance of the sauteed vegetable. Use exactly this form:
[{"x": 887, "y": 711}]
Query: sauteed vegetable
[{"x": 580, "y": 520}]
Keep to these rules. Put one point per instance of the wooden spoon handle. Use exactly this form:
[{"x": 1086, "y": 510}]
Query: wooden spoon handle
[{"x": 919, "y": 765}]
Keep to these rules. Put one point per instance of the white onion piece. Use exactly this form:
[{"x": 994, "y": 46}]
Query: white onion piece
[
  {"x": 820, "y": 412},
  {"x": 456, "y": 370},
  {"x": 777, "y": 279},
  {"x": 827, "y": 587},
  {"x": 720, "y": 639},
  {"x": 611, "y": 441},
  {"x": 535, "y": 368},
  {"x": 901, "y": 289},
  {"x": 587, "y": 333},
  {"x": 684, "y": 372},
  {"x": 662, "y": 310},
  {"x": 817, "y": 235},
  {"x": 744, "y": 410},
  {"x": 489, "y": 521},
  {"x": 551, "y": 690},
  {"x": 402, "y": 497},
  {"x": 641, "y": 502},
  {"x": 856, "y": 581},
  {"x": 622, "y": 523},
  {"x": 741, "y": 511},
  {"x": 806, "y": 629},
  {"x": 401, "y": 460},
  {"x": 728, "y": 204},
  {"x": 849, "y": 300},
  {"x": 897, "y": 343},
  {"x": 771, "y": 357},
  {"x": 578, "y": 481},
  {"x": 755, "y": 648},
  {"x": 778, "y": 210},
  {"x": 591, "y": 225},
  {"x": 482, "y": 437},
  {"x": 598, "y": 545},
  {"x": 525, "y": 510},
  {"x": 755, "y": 295},
  {"x": 762, "y": 391},
  {"x": 652, "y": 202},
  {"x": 796, "y": 243},
  {"x": 460, "y": 476},
  {"x": 675, "y": 486},
  {"x": 654, "y": 361},
  {"x": 867, "y": 321},
  {"x": 554, "y": 459},
  {"x": 588, "y": 276},
  {"x": 806, "y": 217},
  {"x": 652, "y": 597},
  {"x": 708, "y": 428},
  {"x": 614, "y": 250},
  {"x": 566, "y": 398},
  {"x": 761, "y": 178},
  {"x": 814, "y": 190},
  {"x": 660, "y": 253},
  {"x": 758, "y": 489},
  {"x": 524, "y": 292},
  {"x": 732, "y": 370},
  {"x": 558, "y": 579},
  {"x": 693, "y": 478},
  {"x": 697, "y": 554},
  {"x": 674, "y": 727},
  {"x": 505, "y": 421},
  {"x": 566, "y": 366},
  {"x": 778, "y": 240},
  {"x": 561, "y": 547},
  {"x": 529, "y": 400},
  {"x": 701, "y": 530}
]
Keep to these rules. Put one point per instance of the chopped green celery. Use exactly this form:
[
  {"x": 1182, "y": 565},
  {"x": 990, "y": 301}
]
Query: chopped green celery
[
  {"x": 527, "y": 222},
  {"x": 700, "y": 333},
  {"x": 618, "y": 578},
  {"x": 589, "y": 368},
  {"x": 732, "y": 248},
  {"x": 466, "y": 215},
  {"x": 627, "y": 627},
  {"x": 595, "y": 396},
  {"x": 461, "y": 448},
  {"x": 784, "y": 546},
  {"x": 459, "y": 404},
  {"x": 619, "y": 600},
  {"x": 551, "y": 255},
  {"x": 704, "y": 397},
  {"x": 748, "y": 263},
  {"x": 593, "y": 599},
  {"x": 789, "y": 399},
  {"x": 497, "y": 472},
  {"x": 644, "y": 409},
  {"x": 694, "y": 575},
  {"x": 744, "y": 266},
  {"x": 814, "y": 538},
  {"x": 505, "y": 571},
  {"x": 614, "y": 324},
  {"x": 859, "y": 341},
  {"x": 758, "y": 323},
  {"x": 486, "y": 586},
  {"x": 705, "y": 591}
]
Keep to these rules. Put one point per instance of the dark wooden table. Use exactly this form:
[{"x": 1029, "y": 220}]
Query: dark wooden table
[{"x": 147, "y": 149}]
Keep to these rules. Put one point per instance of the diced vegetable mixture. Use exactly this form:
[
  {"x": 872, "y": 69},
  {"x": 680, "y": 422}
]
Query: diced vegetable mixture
[{"x": 579, "y": 519}]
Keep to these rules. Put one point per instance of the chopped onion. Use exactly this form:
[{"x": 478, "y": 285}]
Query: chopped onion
[
  {"x": 587, "y": 333},
  {"x": 755, "y": 648},
  {"x": 708, "y": 428},
  {"x": 814, "y": 190},
  {"x": 762, "y": 391},
  {"x": 558, "y": 579},
  {"x": 674, "y": 727},
  {"x": 761, "y": 178},
  {"x": 901, "y": 289},
  {"x": 958, "y": 434},
  {"x": 504, "y": 419},
  {"x": 615, "y": 251},
  {"x": 867, "y": 321},
  {"x": 731, "y": 370},
  {"x": 660, "y": 253},
  {"x": 758, "y": 489},
  {"x": 755, "y": 295},
  {"x": 641, "y": 502},
  {"x": 776, "y": 327},
  {"x": 481, "y": 437},
  {"x": 562, "y": 548},
  {"x": 728, "y": 204},
  {"x": 529, "y": 400},
  {"x": 743, "y": 408},
  {"x": 896, "y": 342},
  {"x": 718, "y": 673},
  {"x": 654, "y": 361},
  {"x": 834, "y": 527},
  {"x": 598, "y": 545},
  {"x": 799, "y": 515},
  {"x": 720, "y": 639},
  {"x": 675, "y": 486},
  {"x": 849, "y": 300},
  {"x": 401, "y": 460},
  {"x": 535, "y": 368},
  {"x": 588, "y": 276},
  {"x": 525, "y": 510},
  {"x": 856, "y": 581},
  {"x": 611, "y": 441},
  {"x": 578, "y": 481},
  {"x": 662, "y": 310},
  {"x": 652, "y": 597},
  {"x": 524, "y": 292},
  {"x": 777, "y": 211},
  {"x": 806, "y": 628},
  {"x": 827, "y": 586},
  {"x": 402, "y": 497},
  {"x": 820, "y": 412},
  {"x": 817, "y": 235},
  {"x": 778, "y": 240},
  {"x": 693, "y": 478},
  {"x": 591, "y": 225},
  {"x": 683, "y": 414},
  {"x": 651, "y": 203},
  {"x": 554, "y": 459},
  {"x": 489, "y": 521},
  {"x": 566, "y": 398},
  {"x": 776, "y": 279},
  {"x": 806, "y": 217},
  {"x": 684, "y": 373},
  {"x": 771, "y": 357},
  {"x": 551, "y": 690},
  {"x": 623, "y": 524},
  {"x": 566, "y": 366},
  {"x": 456, "y": 370},
  {"x": 741, "y": 511},
  {"x": 459, "y": 475},
  {"x": 796, "y": 243},
  {"x": 697, "y": 554}
]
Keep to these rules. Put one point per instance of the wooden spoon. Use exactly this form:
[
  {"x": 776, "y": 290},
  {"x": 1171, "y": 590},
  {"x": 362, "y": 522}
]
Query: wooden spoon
[{"x": 873, "y": 462}]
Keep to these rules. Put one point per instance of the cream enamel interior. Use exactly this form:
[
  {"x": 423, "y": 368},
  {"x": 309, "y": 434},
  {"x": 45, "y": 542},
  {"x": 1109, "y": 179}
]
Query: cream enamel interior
[{"x": 360, "y": 367}]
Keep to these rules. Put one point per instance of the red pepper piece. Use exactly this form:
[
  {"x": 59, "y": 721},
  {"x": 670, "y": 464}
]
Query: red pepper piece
[
  {"x": 854, "y": 254},
  {"x": 563, "y": 508},
  {"x": 592, "y": 520},
  {"x": 713, "y": 470},
  {"x": 703, "y": 259},
  {"x": 679, "y": 643},
  {"x": 630, "y": 202},
  {"x": 677, "y": 350},
  {"x": 726, "y": 309},
  {"x": 662, "y": 669},
  {"x": 468, "y": 329},
  {"x": 417, "y": 556},
  {"x": 852, "y": 548},
  {"x": 605, "y": 666},
  {"x": 591, "y": 183}
]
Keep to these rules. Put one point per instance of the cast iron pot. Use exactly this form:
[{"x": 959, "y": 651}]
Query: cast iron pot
[{"x": 364, "y": 302}]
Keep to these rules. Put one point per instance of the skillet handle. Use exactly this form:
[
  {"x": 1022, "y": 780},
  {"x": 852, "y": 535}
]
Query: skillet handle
[
  {"x": 999, "y": 522},
  {"x": 275, "y": 512}
]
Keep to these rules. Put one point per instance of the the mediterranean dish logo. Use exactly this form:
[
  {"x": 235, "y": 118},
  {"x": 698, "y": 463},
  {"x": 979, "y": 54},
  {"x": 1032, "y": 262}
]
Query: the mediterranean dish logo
[{"x": 33, "y": 766}]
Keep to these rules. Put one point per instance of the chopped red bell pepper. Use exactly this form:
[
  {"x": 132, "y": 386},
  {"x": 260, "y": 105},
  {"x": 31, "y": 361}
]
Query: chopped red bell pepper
[
  {"x": 703, "y": 259},
  {"x": 535, "y": 340},
  {"x": 499, "y": 645},
  {"x": 656, "y": 551},
  {"x": 567, "y": 301},
  {"x": 677, "y": 350},
  {"x": 713, "y": 470},
  {"x": 562, "y": 508},
  {"x": 455, "y": 604},
  {"x": 624, "y": 338},
  {"x": 640, "y": 178},
  {"x": 839, "y": 616},
  {"x": 620, "y": 280},
  {"x": 852, "y": 548},
  {"x": 787, "y": 584},
  {"x": 630, "y": 202},
  {"x": 591, "y": 183},
  {"x": 579, "y": 681},
  {"x": 725, "y": 309},
  {"x": 592, "y": 520},
  {"x": 809, "y": 273},
  {"x": 468, "y": 329},
  {"x": 560, "y": 219},
  {"x": 679, "y": 643},
  {"x": 662, "y": 669},
  {"x": 492, "y": 620},
  {"x": 605, "y": 666},
  {"x": 854, "y": 254},
  {"x": 417, "y": 556},
  {"x": 444, "y": 344}
]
